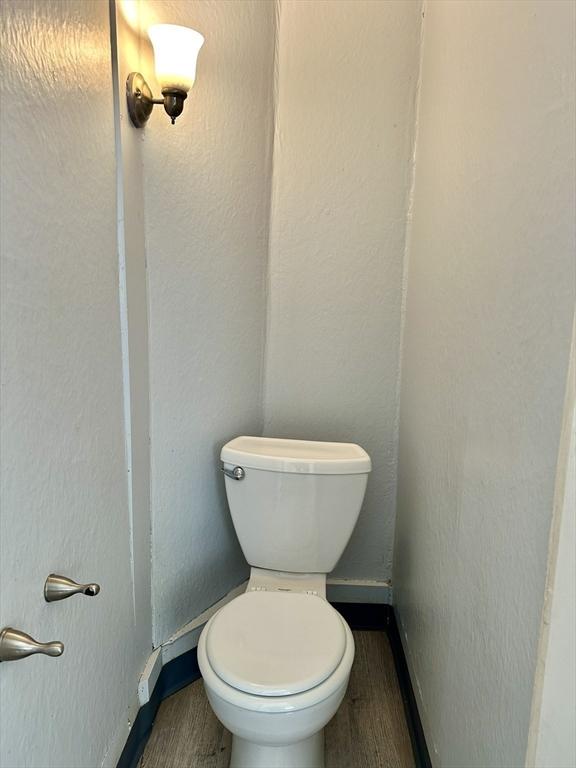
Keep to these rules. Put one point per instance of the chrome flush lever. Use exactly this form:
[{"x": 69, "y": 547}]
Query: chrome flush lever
[
  {"x": 61, "y": 587},
  {"x": 15, "y": 645},
  {"x": 236, "y": 474}
]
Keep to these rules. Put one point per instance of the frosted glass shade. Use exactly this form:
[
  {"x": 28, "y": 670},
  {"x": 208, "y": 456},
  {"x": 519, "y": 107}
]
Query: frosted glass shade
[{"x": 175, "y": 52}]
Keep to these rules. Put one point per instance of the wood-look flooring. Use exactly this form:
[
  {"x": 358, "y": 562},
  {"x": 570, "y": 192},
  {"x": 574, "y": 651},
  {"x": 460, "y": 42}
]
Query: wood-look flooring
[{"x": 368, "y": 731}]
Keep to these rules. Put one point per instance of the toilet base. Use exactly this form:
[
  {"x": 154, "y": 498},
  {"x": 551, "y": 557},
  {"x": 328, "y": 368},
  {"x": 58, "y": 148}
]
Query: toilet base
[{"x": 303, "y": 754}]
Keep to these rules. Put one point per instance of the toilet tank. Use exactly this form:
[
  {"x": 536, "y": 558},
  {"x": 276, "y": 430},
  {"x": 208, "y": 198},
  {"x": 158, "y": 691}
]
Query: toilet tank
[{"x": 297, "y": 502}]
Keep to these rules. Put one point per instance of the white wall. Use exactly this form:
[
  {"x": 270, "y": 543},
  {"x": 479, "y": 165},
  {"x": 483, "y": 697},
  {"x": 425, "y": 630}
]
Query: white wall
[
  {"x": 207, "y": 188},
  {"x": 64, "y": 504},
  {"x": 489, "y": 312},
  {"x": 207, "y": 215},
  {"x": 552, "y": 742},
  {"x": 345, "y": 86}
]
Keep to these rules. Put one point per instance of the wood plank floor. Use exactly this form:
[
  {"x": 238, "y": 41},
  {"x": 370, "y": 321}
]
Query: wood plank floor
[{"x": 368, "y": 731}]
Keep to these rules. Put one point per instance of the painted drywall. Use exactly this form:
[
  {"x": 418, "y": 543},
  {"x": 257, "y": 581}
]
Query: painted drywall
[
  {"x": 345, "y": 103},
  {"x": 486, "y": 343},
  {"x": 64, "y": 473},
  {"x": 552, "y": 742},
  {"x": 207, "y": 191}
]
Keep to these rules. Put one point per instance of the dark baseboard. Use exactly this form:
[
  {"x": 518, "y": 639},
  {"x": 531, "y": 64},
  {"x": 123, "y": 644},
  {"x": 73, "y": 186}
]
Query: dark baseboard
[
  {"x": 175, "y": 675},
  {"x": 383, "y": 618},
  {"x": 183, "y": 670},
  {"x": 419, "y": 746},
  {"x": 364, "y": 615}
]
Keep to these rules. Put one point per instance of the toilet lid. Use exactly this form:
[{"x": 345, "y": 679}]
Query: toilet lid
[{"x": 275, "y": 643}]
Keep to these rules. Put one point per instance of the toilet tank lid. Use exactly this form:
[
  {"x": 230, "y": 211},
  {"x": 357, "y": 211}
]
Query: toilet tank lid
[{"x": 299, "y": 456}]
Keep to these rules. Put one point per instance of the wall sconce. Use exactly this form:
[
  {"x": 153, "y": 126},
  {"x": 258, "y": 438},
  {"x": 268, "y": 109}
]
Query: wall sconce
[{"x": 175, "y": 52}]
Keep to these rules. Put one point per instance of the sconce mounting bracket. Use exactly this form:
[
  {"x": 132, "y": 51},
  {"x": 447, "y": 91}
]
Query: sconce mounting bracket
[{"x": 140, "y": 99}]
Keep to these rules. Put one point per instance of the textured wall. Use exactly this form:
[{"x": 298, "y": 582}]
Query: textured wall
[
  {"x": 552, "y": 742},
  {"x": 343, "y": 143},
  {"x": 207, "y": 202},
  {"x": 64, "y": 477},
  {"x": 489, "y": 313}
]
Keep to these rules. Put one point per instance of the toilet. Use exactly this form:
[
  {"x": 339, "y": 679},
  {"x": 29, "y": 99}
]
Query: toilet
[{"x": 276, "y": 660}]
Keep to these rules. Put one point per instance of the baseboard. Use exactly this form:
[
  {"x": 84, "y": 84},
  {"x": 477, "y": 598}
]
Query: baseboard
[
  {"x": 149, "y": 677},
  {"x": 359, "y": 591},
  {"x": 417, "y": 738},
  {"x": 182, "y": 670},
  {"x": 118, "y": 742},
  {"x": 383, "y": 618},
  {"x": 364, "y": 615},
  {"x": 174, "y": 675}
]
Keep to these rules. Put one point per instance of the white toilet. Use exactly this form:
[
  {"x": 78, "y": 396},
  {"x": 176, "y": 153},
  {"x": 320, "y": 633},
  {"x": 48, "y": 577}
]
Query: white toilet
[{"x": 276, "y": 660}]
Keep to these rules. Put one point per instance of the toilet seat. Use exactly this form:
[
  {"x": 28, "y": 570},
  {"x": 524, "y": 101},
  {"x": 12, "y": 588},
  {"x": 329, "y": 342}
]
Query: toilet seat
[
  {"x": 275, "y": 644},
  {"x": 232, "y": 699}
]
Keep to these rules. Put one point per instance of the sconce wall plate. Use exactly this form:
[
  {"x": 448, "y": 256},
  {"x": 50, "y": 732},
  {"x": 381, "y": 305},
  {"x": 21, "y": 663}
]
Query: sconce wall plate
[{"x": 139, "y": 98}]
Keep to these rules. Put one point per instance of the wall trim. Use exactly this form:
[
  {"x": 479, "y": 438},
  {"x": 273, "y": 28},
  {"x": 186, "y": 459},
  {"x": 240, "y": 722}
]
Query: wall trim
[
  {"x": 183, "y": 670},
  {"x": 413, "y": 720},
  {"x": 118, "y": 741},
  {"x": 175, "y": 675},
  {"x": 359, "y": 591},
  {"x": 149, "y": 677}
]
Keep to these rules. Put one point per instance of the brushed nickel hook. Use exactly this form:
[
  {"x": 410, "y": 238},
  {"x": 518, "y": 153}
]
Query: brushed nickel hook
[
  {"x": 15, "y": 645},
  {"x": 60, "y": 587}
]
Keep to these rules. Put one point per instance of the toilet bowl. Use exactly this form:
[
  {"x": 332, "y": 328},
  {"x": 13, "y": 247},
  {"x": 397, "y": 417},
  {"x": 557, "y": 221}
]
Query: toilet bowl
[{"x": 276, "y": 660}]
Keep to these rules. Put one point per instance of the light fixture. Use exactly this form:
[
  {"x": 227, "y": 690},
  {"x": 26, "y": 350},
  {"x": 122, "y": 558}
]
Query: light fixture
[{"x": 175, "y": 52}]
